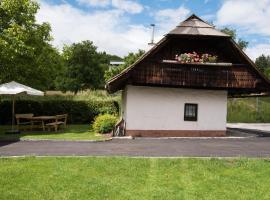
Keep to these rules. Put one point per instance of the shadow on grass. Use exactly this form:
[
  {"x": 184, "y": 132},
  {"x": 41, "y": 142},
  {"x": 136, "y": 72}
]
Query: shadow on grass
[
  {"x": 71, "y": 132},
  {"x": 6, "y": 138}
]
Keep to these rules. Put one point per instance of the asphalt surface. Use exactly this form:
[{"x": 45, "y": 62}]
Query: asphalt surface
[
  {"x": 265, "y": 127},
  {"x": 195, "y": 147}
]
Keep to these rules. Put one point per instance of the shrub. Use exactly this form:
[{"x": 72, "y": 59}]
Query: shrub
[{"x": 104, "y": 123}]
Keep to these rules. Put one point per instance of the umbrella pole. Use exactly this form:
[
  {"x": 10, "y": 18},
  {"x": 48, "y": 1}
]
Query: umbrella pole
[
  {"x": 13, "y": 131},
  {"x": 13, "y": 111}
]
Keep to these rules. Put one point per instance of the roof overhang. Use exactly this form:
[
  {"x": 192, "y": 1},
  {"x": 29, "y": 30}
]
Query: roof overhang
[{"x": 119, "y": 81}]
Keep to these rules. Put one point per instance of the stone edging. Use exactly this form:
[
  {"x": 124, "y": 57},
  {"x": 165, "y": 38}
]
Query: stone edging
[
  {"x": 179, "y": 138},
  {"x": 56, "y": 140}
]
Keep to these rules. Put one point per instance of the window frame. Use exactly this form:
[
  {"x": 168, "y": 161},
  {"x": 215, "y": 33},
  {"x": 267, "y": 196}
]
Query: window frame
[{"x": 190, "y": 118}]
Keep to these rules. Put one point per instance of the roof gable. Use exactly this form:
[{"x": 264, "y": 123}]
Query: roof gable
[
  {"x": 195, "y": 21},
  {"x": 244, "y": 78},
  {"x": 196, "y": 26}
]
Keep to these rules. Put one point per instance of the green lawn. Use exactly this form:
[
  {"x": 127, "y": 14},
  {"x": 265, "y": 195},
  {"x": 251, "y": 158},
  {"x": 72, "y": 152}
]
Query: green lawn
[
  {"x": 133, "y": 178},
  {"x": 72, "y": 132},
  {"x": 244, "y": 110}
]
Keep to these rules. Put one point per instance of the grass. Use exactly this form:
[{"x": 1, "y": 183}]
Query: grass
[
  {"x": 133, "y": 178},
  {"x": 72, "y": 132},
  {"x": 244, "y": 110}
]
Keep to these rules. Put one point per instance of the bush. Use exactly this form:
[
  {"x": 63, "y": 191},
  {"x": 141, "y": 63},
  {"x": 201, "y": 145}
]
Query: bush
[
  {"x": 79, "y": 112},
  {"x": 104, "y": 123}
]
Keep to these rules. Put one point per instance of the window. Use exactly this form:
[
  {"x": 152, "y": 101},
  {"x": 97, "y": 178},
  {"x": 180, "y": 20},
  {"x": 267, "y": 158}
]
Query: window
[{"x": 191, "y": 111}]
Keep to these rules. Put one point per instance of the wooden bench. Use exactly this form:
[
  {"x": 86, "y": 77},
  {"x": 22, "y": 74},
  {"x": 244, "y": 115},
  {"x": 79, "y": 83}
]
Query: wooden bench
[
  {"x": 59, "y": 120},
  {"x": 23, "y": 119}
]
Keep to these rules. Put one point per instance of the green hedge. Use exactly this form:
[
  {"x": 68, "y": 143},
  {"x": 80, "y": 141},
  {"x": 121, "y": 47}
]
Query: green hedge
[{"x": 78, "y": 111}]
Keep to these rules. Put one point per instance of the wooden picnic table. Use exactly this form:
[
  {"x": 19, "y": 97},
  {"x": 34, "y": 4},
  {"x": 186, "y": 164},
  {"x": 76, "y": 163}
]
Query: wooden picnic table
[
  {"x": 48, "y": 121},
  {"x": 41, "y": 119}
]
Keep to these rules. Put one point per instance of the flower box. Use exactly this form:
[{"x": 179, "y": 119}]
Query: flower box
[
  {"x": 196, "y": 63},
  {"x": 196, "y": 58}
]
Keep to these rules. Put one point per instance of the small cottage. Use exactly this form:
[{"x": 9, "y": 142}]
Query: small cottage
[{"x": 180, "y": 87}]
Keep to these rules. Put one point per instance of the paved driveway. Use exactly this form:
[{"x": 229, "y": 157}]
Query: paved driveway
[
  {"x": 230, "y": 147},
  {"x": 250, "y": 126}
]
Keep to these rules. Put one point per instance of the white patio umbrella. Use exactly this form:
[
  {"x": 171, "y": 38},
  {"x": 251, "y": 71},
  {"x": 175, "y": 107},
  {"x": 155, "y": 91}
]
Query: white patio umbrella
[{"x": 13, "y": 88}]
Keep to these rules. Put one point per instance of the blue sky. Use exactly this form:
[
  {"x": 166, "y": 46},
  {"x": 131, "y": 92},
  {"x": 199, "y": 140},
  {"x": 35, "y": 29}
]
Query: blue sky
[{"x": 122, "y": 26}]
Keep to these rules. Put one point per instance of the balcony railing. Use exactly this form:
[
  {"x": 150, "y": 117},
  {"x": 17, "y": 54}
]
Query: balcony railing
[{"x": 194, "y": 75}]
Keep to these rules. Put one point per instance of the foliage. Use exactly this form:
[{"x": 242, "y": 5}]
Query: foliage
[
  {"x": 242, "y": 43},
  {"x": 244, "y": 110},
  {"x": 28, "y": 57},
  {"x": 114, "y": 57},
  {"x": 263, "y": 63},
  {"x": 232, "y": 32},
  {"x": 129, "y": 60},
  {"x": 96, "y": 95},
  {"x": 71, "y": 133},
  {"x": 84, "y": 67},
  {"x": 104, "y": 123},
  {"x": 80, "y": 111},
  {"x": 26, "y": 54},
  {"x": 121, "y": 178}
]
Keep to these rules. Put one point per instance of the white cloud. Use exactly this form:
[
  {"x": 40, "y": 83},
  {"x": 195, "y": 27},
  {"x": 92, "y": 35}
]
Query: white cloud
[
  {"x": 109, "y": 30},
  {"x": 167, "y": 19},
  {"x": 257, "y": 50},
  {"x": 129, "y": 6},
  {"x": 249, "y": 15},
  {"x": 99, "y": 3}
]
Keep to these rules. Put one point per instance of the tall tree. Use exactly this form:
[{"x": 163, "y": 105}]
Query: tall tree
[
  {"x": 26, "y": 53},
  {"x": 263, "y": 63},
  {"x": 128, "y": 60},
  {"x": 114, "y": 57},
  {"x": 84, "y": 67},
  {"x": 242, "y": 43}
]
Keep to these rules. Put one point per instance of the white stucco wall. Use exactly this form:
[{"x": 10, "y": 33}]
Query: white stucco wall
[
  {"x": 154, "y": 108},
  {"x": 123, "y": 105}
]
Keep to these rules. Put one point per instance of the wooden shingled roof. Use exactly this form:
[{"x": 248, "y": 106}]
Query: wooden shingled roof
[
  {"x": 196, "y": 26},
  {"x": 148, "y": 69}
]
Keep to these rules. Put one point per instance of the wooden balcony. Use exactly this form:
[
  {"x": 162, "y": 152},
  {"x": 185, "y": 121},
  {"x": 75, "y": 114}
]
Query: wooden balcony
[{"x": 200, "y": 75}]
